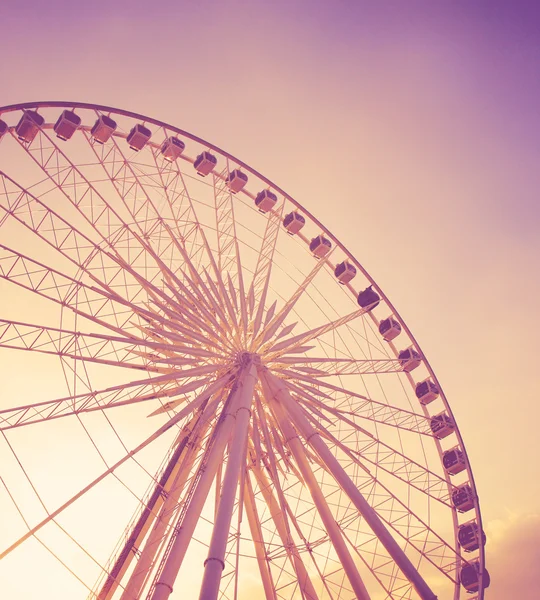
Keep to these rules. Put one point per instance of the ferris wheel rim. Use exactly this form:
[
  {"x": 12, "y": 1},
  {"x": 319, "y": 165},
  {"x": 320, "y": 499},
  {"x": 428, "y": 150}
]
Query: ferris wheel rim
[{"x": 133, "y": 115}]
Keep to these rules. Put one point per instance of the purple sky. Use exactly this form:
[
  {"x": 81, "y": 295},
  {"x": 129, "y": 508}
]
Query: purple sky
[{"x": 421, "y": 121}]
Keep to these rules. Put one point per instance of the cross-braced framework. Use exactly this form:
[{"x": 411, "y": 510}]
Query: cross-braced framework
[{"x": 297, "y": 445}]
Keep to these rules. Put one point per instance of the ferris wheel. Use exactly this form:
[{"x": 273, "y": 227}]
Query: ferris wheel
[{"x": 205, "y": 395}]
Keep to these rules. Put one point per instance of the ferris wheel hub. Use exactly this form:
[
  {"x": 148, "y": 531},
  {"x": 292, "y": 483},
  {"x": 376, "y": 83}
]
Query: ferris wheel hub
[{"x": 245, "y": 358}]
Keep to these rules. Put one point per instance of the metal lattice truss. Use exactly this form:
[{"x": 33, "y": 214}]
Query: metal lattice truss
[{"x": 298, "y": 453}]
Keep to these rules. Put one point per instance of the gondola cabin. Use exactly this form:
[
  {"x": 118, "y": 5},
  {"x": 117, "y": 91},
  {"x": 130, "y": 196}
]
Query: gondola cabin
[
  {"x": 205, "y": 163},
  {"x": 293, "y": 222},
  {"x": 442, "y": 426},
  {"x": 345, "y": 272},
  {"x": 265, "y": 201},
  {"x": 426, "y": 391},
  {"x": 463, "y": 498},
  {"x": 409, "y": 359},
  {"x": 236, "y": 180},
  {"x": 320, "y": 246},
  {"x": 172, "y": 148},
  {"x": 138, "y": 137},
  {"x": 469, "y": 536},
  {"x": 67, "y": 124},
  {"x": 103, "y": 128},
  {"x": 29, "y": 125},
  {"x": 368, "y": 298},
  {"x": 389, "y": 329},
  {"x": 3, "y": 128},
  {"x": 470, "y": 577},
  {"x": 454, "y": 461}
]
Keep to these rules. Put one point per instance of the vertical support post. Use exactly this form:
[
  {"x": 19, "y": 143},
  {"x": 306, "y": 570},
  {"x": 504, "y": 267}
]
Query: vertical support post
[
  {"x": 215, "y": 563},
  {"x": 338, "y": 472}
]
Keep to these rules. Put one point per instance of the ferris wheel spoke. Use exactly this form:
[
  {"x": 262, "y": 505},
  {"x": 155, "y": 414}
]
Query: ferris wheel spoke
[
  {"x": 89, "y": 347},
  {"x": 271, "y": 326},
  {"x": 314, "y": 370},
  {"x": 290, "y": 344},
  {"x": 61, "y": 235},
  {"x": 177, "y": 329},
  {"x": 107, "y": 269},
  {"x": 188, "y": 217},
  {"x": 83, "y": 195},
  {"x": 134, "y": 186},
  {"x": 225, "y": 225},
  {"x": 325, "y": 367},
  {"x": 64, "y": 290},
  {"x": 186, "y": 411},
  {"x": 279, "y": 393},
  {"x": 135, "y": 392},
  {"x": 195, "y": 301},
  {"x": 261, "y": 277},
  {"x": 183, "y": 320},
  {"x": 130, "y": 188},
  {"x": 130, "y": 251},
  {"x": 367, "y": 408},
  {"x": 217, "y": 294}
]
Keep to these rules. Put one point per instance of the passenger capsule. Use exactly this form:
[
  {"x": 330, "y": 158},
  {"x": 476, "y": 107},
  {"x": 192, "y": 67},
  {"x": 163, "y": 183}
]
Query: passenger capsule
[
  {"x": 320, "y": 246},
  {"x": 463, "y": 498},
  {"x": 67, "y": 124},
  {"x": 442, "y": 426},
  {"x": 345, "y": 272},
  {"x": 454, "y": 461},
  {"x": 103, "y": 128},
  {"x": 469, "y": 536},
  {"x": 470, "y": 577},
  {"x": 293, "y": 222},
  {"x": 205, "y": 163},
  {"x": 368, "y": 298},
  {"x": 3, "y": 128},
  {"x": 389, "y": 329},
  {"x": 138, "y": 137},
  {"x": 426, "y": 391},
  {"x": 236, "y": 180},
  {"x": 172, "y": 148},
  {"x": 265, "y": 201},
  {"x": 27, "y": 128},
  {"x": 409, "y": 359}
]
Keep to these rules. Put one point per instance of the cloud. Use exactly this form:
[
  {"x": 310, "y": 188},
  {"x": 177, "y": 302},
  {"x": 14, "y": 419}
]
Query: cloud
[{"x": 513, "y": 556}]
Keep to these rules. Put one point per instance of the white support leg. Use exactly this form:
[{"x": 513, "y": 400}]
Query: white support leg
[
  {"x": 164, "y": 585},
  {"x": 368, "y": 513},
  {"x": 271, "y": 393},
  {"x": 215, "y": 563}
]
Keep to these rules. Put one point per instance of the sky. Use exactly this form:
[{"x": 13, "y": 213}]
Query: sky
[{"x": 410, "y": 129}]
